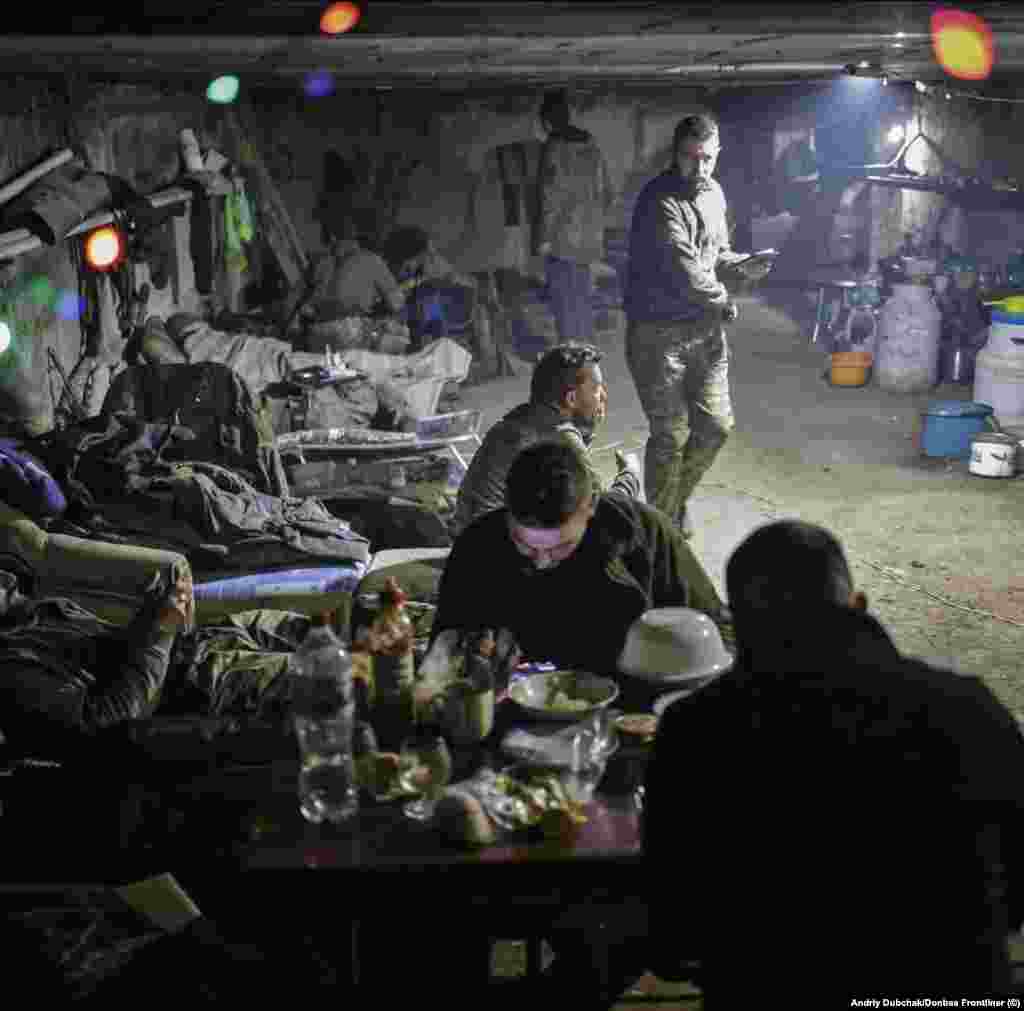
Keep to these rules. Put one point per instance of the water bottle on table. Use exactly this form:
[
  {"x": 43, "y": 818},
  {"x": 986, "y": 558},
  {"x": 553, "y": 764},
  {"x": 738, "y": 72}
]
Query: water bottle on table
[{"x": 324, "y": 715}]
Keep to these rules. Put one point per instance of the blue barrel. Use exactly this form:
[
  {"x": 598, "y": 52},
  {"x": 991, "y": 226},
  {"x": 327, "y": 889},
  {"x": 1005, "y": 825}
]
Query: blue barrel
[{"x": 949, "y": 426}]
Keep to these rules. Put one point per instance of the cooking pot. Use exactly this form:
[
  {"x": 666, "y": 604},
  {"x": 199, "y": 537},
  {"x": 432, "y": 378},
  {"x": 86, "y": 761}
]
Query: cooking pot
[{"x": 993, "y": 454}]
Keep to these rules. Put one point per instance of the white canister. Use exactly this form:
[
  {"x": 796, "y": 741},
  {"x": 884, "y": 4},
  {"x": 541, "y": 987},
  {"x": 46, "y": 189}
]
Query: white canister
[{"x": 993, "y": 454}]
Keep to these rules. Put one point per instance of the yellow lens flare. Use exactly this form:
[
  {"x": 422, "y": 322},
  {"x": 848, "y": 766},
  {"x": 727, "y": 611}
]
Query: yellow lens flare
[
  {"x": 340, "y": 18},
  {"x": 963, "y": 45}
]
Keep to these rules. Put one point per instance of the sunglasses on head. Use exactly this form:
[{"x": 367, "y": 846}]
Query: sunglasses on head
[{"x": 577, "y": 355}]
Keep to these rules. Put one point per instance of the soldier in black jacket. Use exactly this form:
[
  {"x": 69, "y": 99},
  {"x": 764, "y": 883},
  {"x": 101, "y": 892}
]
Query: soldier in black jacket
[{"x": 831, "y": 819}]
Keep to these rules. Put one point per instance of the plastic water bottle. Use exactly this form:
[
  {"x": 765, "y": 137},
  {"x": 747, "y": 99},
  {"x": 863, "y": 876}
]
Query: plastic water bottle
[{"x": 324, "y": 714}]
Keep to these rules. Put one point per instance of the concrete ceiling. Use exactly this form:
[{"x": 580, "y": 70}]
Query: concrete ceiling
[{"x": 461, "y": 45}]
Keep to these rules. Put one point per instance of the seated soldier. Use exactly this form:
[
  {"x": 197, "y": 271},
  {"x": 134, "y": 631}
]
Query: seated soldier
[
  {"x": 70, "y": 678},
  {"x": 858, "y": 813},
  {"x": 353, "y": 280},
  {"x": 567, "y": 569},
  {"x": 568, "y": 401},
  {"x": 439, "y": 297}
]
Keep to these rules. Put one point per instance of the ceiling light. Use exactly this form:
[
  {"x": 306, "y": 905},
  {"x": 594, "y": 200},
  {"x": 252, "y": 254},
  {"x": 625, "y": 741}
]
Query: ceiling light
[
  {"x": 863, "y": 64},
  {"x": 921, "y": 87}
]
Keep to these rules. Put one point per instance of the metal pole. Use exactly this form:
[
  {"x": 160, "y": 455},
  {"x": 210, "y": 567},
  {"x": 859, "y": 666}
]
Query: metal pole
[
  {"x": 12, "y": 245},
  {"x": 12, "y": 189}
]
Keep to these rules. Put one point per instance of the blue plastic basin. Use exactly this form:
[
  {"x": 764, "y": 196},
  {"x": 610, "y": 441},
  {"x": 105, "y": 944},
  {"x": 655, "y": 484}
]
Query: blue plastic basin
[{"x": 949, "y": 426}]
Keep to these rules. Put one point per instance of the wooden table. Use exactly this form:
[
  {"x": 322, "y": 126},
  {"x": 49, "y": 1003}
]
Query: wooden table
[
  {"x": 236, "y": 841},
  {"x": 243, "y": 850}
]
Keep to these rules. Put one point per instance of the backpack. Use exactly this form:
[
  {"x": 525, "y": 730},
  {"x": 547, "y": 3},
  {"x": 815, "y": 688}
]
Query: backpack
[{"x": 232, "y": 428}]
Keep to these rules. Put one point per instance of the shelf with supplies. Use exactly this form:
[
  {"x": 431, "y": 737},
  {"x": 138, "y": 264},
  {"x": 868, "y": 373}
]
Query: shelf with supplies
[{"x": 972, "y": 196}]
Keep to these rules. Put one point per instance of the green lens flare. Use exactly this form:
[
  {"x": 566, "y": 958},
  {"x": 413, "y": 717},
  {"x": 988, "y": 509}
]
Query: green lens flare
[{"x": 223, "y": 90}]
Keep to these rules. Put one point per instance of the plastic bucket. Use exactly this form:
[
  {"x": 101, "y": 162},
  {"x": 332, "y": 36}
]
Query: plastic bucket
[
  {"x": 1006, "y": 332},
  {"x": 850, "y": 368},
  {"x": 949, "y": 426}
]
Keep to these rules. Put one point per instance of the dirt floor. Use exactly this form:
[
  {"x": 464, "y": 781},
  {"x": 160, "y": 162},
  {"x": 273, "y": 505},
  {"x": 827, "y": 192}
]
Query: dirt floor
[{"x": 939, "y": 551}]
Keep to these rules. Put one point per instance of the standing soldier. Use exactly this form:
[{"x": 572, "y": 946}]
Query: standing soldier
[
  {"x": 675, "y": 305},
  {"x": 574, "y": 195}
]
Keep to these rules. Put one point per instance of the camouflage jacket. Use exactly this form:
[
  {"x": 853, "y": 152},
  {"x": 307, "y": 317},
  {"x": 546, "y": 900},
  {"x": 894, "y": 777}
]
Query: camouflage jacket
[
  {"x": 69, "y": 674},
  {"x": 574, "y": 194},
  {"x": 483, "y": 487}
]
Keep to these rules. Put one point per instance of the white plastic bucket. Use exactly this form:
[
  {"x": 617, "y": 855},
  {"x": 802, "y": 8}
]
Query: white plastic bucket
[{"x": 999, "y": 381}]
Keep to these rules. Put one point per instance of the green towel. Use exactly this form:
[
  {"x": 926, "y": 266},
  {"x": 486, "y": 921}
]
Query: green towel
[
  {"x": 238, "y": 226},
  {"x": 246, "y": 231}
]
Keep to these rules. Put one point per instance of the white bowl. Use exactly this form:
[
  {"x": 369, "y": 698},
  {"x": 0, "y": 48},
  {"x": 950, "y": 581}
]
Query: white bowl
[
  {"x": 669, "y": 644},
  {"x": 533, "y": 694}
]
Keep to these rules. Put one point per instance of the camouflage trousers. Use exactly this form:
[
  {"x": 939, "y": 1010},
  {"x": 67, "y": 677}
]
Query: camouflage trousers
[{"x": 681, "y": 372}]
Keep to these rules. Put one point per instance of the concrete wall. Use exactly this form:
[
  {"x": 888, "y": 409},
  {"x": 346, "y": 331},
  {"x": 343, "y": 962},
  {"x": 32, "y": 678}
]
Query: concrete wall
[
  {"x": 128, "y": 131},
  {"x": 443, "y": 149}
]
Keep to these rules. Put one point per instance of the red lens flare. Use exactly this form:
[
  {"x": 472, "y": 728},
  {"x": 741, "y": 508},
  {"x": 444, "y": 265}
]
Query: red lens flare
[{"x": 340, "y": 18}]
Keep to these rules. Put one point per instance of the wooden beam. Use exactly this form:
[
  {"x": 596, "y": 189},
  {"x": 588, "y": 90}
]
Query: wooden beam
[{"x": 279, "y": 231}]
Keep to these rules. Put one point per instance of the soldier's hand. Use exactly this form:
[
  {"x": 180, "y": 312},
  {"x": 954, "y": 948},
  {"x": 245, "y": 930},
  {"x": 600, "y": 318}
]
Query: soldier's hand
[
  {"x": 755, "y": 269},
  {"x": 627, "y": 461},
  {"x": 178, "y": 607},
  {"x": 730, "y": 313}
]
